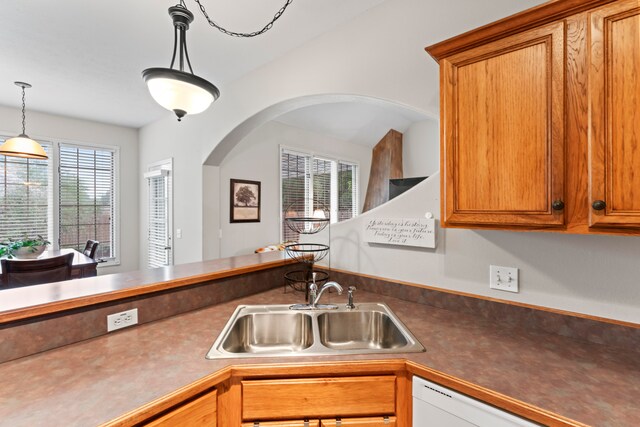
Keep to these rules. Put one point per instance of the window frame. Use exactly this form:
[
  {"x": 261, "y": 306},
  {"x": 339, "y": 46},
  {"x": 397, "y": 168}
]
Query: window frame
[
  {"x": 322, "y": 156},
  {"x": 115, "y": 245},
  {"x": 54, "y": 181}
]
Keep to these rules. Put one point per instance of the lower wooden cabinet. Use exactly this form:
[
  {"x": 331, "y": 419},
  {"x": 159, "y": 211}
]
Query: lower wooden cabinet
[
  {"x": 298, "y": 423},
  {"x": 249, "y": 399},
  {"x": 360, "y": 422},
  {"x": 199, "y": 412},
  {"x": 318, "y": 398},
  {"x": 336, "y": 422}
]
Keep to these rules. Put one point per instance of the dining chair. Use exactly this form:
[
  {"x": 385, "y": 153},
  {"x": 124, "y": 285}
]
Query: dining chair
[
  {"x": 90, "y": 248},
  {"x": 17, "y": 273}
]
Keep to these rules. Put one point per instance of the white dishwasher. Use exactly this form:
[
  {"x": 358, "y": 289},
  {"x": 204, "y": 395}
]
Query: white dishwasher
[{"x": 437, "y": 406}]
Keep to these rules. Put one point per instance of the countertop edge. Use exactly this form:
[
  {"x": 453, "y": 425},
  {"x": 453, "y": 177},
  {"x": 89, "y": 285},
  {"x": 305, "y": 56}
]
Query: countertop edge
[{"x": 338, "y": 368}]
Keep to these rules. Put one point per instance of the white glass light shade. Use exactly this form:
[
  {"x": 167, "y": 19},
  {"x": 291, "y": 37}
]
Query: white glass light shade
[
  {"x": 180, "y": 92},
  {"x": 177, "y": 95},
  {"x": 23, "y": 146}
]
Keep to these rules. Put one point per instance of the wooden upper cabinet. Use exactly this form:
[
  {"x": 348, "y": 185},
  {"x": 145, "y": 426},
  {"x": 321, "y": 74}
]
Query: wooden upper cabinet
[
  {"x": 540, "y": 120},
  {"x": 614, "y": 105},
  {"x": 502, "y": 125}
]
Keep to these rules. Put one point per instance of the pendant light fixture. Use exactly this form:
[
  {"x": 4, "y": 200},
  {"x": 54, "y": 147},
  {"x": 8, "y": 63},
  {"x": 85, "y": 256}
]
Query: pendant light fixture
[
  {"x": 180, "y": 91},
  {"x": 22, "y": 145},
  {"x": 177, "y": 90}
]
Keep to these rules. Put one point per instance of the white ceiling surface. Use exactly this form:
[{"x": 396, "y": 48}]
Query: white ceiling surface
[
  {"x": 85, "y": 58},
  {"x": 356, "y": 122}
]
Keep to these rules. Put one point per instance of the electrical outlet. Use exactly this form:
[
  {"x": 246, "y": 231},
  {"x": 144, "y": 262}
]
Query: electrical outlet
[
  {"x": 503, "y": 278},
  {"x": 122, "y": 319}
]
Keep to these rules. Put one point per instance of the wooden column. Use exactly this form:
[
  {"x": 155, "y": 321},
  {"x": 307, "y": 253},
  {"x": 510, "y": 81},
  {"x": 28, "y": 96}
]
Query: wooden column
[{"x": 386, "y": 164}]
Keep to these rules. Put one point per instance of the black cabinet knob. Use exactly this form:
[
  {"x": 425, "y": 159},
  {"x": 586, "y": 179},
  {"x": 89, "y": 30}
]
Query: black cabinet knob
[
  {"x": 598, "y": 205},
  {"x": 557, "y": 205}
]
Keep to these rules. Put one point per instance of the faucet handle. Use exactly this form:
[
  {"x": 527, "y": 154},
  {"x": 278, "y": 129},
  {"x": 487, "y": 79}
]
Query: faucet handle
[{"x": 312, "y": 288}]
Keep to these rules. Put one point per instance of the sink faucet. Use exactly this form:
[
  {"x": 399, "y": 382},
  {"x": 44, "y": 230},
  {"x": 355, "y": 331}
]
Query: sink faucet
[
  {"x": 314, "y": 296},
  {"x": 313, "y": 289}
]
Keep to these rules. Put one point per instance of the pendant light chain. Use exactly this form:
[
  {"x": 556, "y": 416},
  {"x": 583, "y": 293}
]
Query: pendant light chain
[
  {"x": 24, "y": 118},
  {"x": 253, "y": 34}
]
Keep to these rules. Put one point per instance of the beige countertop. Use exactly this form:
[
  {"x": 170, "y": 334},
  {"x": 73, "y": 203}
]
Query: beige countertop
[{"x": 95, "y": 381}]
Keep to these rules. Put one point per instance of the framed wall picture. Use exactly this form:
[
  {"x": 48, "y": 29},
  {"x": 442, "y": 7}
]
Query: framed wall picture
[{"x": 245, "y": 201}]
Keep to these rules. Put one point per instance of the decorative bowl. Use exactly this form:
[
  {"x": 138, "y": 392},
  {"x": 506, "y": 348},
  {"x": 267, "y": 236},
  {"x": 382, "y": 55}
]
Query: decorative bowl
[{"x": 29, "y": 252}]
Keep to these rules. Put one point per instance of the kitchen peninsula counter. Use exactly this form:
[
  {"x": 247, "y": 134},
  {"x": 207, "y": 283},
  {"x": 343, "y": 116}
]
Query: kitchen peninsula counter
[
  {"x": 36, "y": 300},
  {"x": 99, "y": 380}
]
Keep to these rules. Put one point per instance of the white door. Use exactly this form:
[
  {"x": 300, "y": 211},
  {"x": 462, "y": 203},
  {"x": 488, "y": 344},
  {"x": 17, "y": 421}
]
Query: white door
[{"x": 160, "y": 206}]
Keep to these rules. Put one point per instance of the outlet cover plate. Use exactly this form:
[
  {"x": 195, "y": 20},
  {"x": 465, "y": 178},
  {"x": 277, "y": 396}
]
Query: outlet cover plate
[
  {"x": 122, "y": 320},
  {"x": 503, "y": 278}
]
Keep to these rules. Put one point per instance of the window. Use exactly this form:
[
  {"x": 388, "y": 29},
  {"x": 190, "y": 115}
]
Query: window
[
  {"x": 347, "y": 190},
  {"x": 86, "y": 203},
  {"x": 68, "y": 199},
  {"x": 295, "y": 175},
  {"x": 310, "y": 182},
  {"x": 25, "y": 197}
]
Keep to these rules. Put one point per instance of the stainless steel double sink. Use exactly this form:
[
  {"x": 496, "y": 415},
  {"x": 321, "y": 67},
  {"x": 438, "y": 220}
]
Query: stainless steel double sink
[{"x": 275, "y": 331}]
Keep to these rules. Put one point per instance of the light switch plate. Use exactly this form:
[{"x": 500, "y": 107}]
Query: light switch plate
[
  {"x": 503, "y": 278},
  {"x": 122, "y": 319}
]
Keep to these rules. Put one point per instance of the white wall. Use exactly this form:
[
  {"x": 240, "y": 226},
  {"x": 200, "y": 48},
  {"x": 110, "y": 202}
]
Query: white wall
[
  {"x": 380, "y": 54},
  {"x": 596, "y": 275},
  {"x": 257, "y": 158},
  {"x": 168, "y": 139},
  {"x": 64, "y": 129},
  {"x": 421, "y": 149},
  {"x": 211, "y": 213}
]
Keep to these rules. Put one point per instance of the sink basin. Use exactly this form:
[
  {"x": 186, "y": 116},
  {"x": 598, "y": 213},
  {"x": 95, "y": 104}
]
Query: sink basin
[
  {"x": 359, "y": 330},
  {"x": 269, "y": 332},
  {"x": 275, "y": 331}
]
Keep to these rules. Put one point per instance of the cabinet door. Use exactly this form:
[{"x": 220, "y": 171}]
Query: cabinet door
[
  {"x": 318, "y": 397},
  {"x": 199, "y": 412},
  {"x": 298, "y": 423},
  {"x": 502, "y": 108},
  {"x": 360, "y": 422},
  {"x": 614, "y": 101}
]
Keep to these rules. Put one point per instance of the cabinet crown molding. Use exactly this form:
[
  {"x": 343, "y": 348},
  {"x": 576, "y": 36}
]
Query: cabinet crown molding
[{"x": 543, "y": 14}]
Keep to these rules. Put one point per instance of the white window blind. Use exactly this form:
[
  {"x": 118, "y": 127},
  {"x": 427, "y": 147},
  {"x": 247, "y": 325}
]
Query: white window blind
[
  {"x": 310, "y": 183},
  {"x": 347, "y": 190},
  {"x": 295, "y": 173},
  {"x": 87, "y": 198},
  {"x": 159, "y": 250},
  {"x": 25, "y": 197},
  {"x": 322, "y": 183}
]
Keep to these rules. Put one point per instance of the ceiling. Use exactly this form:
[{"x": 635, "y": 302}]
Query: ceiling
[
  {"x": 356, "y": 122},
  {"x": 85, "y": 58}
]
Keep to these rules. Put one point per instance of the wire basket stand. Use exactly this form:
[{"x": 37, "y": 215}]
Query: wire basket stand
[{"x": 307, "y": 254}]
